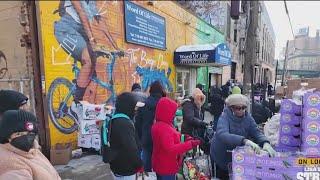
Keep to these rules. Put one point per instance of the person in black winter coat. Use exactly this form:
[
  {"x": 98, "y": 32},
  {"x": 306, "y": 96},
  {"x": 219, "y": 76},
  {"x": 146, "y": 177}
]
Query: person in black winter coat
[
  {"x": 192, "y": 115},
  {"x": 261, "y": 113},
  {"x": 123, "y": 142},
  {"x": 217, "y": 105},
  {"x": 144, "y": 121},
  {"x": 226, "y": 90}
]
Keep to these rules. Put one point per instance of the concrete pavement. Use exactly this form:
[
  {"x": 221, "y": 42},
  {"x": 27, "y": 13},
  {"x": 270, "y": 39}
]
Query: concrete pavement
[{"x": 89, "y": 167}]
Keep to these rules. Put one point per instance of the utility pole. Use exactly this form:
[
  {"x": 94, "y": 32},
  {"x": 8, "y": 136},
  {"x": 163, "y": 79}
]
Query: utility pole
[
  {"x": 284, "y": 68},
  {"x": 250, "y": 52}
]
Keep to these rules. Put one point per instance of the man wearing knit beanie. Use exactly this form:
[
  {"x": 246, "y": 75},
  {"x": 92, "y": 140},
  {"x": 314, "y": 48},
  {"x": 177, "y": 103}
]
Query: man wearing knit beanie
[{"x": 11, "y": 100}]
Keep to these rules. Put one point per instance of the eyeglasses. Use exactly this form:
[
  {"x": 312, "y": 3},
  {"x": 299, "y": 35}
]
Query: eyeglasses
[{"x": 238, "y": 108}]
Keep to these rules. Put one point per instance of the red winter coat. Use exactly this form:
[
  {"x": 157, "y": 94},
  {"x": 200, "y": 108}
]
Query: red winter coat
[{"x": 167, "y": 148}]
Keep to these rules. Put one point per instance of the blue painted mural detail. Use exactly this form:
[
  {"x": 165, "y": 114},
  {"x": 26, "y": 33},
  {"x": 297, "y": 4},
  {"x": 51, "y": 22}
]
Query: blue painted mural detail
[{"x": 151, "y": 75}]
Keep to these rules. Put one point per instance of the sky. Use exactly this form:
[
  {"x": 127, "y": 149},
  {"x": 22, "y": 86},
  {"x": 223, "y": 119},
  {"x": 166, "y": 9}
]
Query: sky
[{"x": 302, "y": 14}]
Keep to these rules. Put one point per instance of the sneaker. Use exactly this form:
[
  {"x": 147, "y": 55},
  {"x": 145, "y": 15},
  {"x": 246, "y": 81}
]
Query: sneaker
[{"x": 75, "y": 110}]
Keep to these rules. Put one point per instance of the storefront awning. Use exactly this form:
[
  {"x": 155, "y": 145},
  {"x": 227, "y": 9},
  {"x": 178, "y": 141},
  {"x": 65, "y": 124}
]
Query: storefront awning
[{"x": 203, "y": 55}]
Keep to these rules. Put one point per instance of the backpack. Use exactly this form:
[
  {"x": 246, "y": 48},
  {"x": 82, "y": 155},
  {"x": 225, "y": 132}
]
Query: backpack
[{"x": 107, "y": 153}]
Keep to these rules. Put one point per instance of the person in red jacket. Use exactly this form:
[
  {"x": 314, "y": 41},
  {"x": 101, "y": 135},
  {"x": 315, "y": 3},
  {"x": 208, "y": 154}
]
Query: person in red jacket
[{"x": 168, "y": 150}]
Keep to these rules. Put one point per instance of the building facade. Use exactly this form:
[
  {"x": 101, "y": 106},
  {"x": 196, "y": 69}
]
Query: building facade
[
  {"x": 16, "y": 71},
  {"x": 265, "y": 51},
  {"x": 303, "y": 58},
  {"x": 148, "y": 32}
]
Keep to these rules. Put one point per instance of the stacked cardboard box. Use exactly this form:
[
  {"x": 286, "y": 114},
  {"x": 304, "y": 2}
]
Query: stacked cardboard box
[
  {"x": 248, "y": 165},
  {"x": 290, "y": 126},
  {"x": 311, "y": 124},
  {"x": 89, "y": 131}
]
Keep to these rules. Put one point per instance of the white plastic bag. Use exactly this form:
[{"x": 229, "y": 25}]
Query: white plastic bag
[{"x": 272, "y": 129}]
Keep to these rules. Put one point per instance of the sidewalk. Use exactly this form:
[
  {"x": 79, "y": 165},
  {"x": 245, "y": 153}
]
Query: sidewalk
[{"x": 87, "y": 167}]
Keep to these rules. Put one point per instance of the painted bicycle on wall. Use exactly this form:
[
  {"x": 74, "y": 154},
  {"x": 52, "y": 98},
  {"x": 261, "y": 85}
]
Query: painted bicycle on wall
[
  {"x": 61, "y": 92},
  {"x": 74, "y": 33}
]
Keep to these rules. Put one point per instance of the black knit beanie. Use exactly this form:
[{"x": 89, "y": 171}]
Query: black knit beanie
[
  {"x": 136, "y": 87},
  {"x": 16, "y": 121},
  {"x": 11, "y": 100},
  {"x": 125, "y": 103}
]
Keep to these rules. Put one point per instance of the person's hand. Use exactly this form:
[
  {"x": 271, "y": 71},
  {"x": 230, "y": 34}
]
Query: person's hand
[
  {"x": 253, "y": 145},
  {"x": 204, "y": 124},
  {"x": 188, "y": 138},
  {"x": 195, "y": 143},
  {"x": 267, "y": 147},
  {"x": 140, "y": 170}
]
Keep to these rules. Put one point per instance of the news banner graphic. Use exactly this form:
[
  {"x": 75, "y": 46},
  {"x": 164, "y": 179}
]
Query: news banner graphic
[{"x": 311, "y": 169}]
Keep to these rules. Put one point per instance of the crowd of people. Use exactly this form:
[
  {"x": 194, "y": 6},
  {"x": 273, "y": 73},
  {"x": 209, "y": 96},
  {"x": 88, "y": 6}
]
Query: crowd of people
[
  {"x": 142, "y": 135},
  {"x": 155, "y": 144}
]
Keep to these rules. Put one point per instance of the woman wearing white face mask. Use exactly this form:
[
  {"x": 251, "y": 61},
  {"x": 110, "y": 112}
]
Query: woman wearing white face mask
[
  {"x": 20, "y": 159},
  {"x": 235, "y": 127}
]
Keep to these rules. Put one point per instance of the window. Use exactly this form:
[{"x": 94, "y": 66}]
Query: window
[
  {"x": 235, "y": 35},
  {"x": 183, "y": 83}
]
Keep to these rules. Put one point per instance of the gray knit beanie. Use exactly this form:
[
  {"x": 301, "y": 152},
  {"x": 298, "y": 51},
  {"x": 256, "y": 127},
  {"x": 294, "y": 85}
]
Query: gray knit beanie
[{"x": 237, "y": 100}]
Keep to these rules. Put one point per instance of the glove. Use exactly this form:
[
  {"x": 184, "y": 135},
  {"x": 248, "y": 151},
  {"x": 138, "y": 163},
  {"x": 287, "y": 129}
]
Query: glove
[
  {"x": 267, "y": 147},
  {"x": 140, "y": 170},
  {"x": 253, "y": 145},
  {"x": 195, "y": 143}
]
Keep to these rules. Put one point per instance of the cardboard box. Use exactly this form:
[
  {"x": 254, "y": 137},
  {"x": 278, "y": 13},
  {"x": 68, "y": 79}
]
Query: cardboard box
[
  {"x": 96, "y": 141},
  {"x": 61, "y": 154},
  {"x": 84, "y": 140},
  {"x": 290, "y": 119},
  {"x": 290, "y": 106},
  {"x": 295, "y": 84},
  {"x": 89, "y": 127},
  {"x": 93, "y": 111}
]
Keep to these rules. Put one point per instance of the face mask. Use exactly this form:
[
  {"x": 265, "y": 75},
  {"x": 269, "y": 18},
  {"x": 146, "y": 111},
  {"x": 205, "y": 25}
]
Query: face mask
[{"x": 24, "y": 142}]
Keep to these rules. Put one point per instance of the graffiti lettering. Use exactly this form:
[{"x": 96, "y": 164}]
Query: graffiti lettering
[
  {"x": 149, "y": 70},
  {"x": 3, "y": 65}
]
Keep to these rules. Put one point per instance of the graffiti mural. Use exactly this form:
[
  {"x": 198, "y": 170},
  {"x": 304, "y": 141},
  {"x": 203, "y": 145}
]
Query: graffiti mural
[
  {"x": 3, "y": 65},
  {"x": 86, "y": 56},
  {"x": 213, "y": 12}
]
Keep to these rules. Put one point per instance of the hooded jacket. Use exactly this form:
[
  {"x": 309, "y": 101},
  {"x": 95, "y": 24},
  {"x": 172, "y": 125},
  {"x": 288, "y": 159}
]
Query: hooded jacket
[
  {"x": 192, "y": 116},
  {"x": 167, "y": 148},
  {"x": 19, "y": 165},
  {"x": 231, "y": 131},
  {"x": 122, "y": 138},
  {"x": 145, "y": 119}
]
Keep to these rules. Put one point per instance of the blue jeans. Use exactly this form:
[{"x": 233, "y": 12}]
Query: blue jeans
[
  {"x": 166, "y": 177},
  {"x": 146, "y": 158}
]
